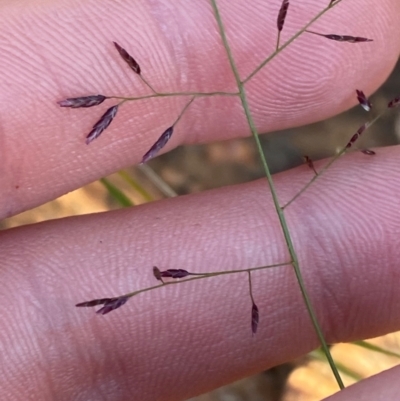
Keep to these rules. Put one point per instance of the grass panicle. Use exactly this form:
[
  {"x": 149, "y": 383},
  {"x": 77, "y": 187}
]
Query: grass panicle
[{"x": 178, "y": 276}]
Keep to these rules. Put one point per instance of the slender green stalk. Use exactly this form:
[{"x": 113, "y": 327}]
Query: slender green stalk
[
  {"x": 183, "y": 110},
  {"x": 376, "y": 348},
  {"x": 136, "y": 186},
  {"x": 295, "y": 263},
  {"x": 319, "y": 355},
  {"x": 116, "y": 193},
  {"x": 147, "y": 84},
  {"x": 166, "y": 189}
]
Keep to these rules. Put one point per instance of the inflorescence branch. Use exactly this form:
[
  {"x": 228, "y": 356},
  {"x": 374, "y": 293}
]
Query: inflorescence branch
[
  {"x": 178, "y": 276},
  {"x": 111, "y": 304},
  {"x": 367, "y": 106},
  {"x": 110, "y": 114}
]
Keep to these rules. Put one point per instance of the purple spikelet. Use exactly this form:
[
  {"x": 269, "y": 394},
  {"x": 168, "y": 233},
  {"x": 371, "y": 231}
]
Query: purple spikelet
[
  {"x": 282, "y": 14},
  {"x": 102, "y": 124},
  {"x": 85, "y": 101},
  {"x": 128, "y": 58},
  {"x": 158, "y": 145},
  {"x": 254, "y": 318},
  {"x": 363, "y": 100},
  {"x": 109, "y": 304}
]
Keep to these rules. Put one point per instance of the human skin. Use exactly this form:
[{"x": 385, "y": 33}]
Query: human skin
[{"x": 180, "y": 341}]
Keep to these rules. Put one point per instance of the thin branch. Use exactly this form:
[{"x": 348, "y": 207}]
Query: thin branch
[
  {"x": 174, "y": 94},
  {"x": 333, "y": 160},
  {"x": 289, "y": 41},
  {"x": 197, "y": 276},
  {"x": 158, "y": 182}
]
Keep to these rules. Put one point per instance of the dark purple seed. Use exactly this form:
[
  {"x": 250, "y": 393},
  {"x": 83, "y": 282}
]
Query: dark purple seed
[
  {"x": 363, "y": 100},
  {"x": 368, "y": 152},
  {"x": 356, "y": 135},
  {"x": 112, "y": 304},
  {"x": 174, "y": 273},
  {"x": 282, "y": 14},
  {"x": 102, "y": 124},
  {"x": 127, "y": 58},
  {"x": 346, "y": 38},
  {"x": 354, "y": 39},
  {"x": 310, "y": 163},
  {"x": 85, "y": 101},
  {"x": 159, "y": 144},
  {"x": 254, "y": 318},
  {"x": 333, "y": 37},
  {"x": 342, "y": 38},
  {"x": 394, "y": 102}
]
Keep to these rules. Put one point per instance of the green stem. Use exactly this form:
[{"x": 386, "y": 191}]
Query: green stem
[
  {"x": 136, "y": 186},
  {"x": 116, "y": 193},
  {"x": 295, "y": 263},
  {"x": 376, "y": 348},
  {"x": 166, "y": 189}
]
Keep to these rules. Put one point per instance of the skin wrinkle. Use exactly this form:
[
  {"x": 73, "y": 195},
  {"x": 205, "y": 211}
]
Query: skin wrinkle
[
  {"x": 10, "y": 182},
  {"x": 321, "y": 252},
  {"x": 174, "y": 41},
  {"x": 344, "y": 254},
  {"x": 335, "y": 317}
]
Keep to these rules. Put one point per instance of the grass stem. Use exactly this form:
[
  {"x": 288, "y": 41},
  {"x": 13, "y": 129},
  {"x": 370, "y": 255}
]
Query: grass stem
[{"x": 279, "y": 210}]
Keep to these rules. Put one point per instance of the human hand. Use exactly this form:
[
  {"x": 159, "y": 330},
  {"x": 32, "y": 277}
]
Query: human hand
[{"x": 178, "y": 342}]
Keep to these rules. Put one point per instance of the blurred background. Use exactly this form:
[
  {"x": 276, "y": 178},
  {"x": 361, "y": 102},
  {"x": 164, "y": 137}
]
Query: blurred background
[{"x": 197, "y": 168}]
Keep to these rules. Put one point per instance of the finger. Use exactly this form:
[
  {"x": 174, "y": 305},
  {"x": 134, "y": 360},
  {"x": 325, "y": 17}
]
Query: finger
[
  {"x": 384, "y": 386},
  {"x": 196, "y": 336},
  {"x": 53, "y": 51}
]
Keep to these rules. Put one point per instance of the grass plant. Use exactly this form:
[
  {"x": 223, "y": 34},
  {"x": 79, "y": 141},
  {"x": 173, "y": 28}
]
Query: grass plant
[{"x": 179, "y": 276}]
